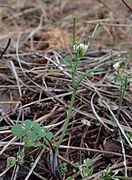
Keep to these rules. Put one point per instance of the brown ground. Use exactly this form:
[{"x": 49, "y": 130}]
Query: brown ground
[{"x": 32, "y": 86}]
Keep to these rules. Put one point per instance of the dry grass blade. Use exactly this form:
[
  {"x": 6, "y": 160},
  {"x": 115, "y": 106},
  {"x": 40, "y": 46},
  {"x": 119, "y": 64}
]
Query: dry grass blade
[
  {"x": 96, "y": 115},
  {"x": 35, "y": 163},
  {"x": 8, "y": 144},
  {"x": 36, "y": 84},
  {"x": 130, "y": 144}
]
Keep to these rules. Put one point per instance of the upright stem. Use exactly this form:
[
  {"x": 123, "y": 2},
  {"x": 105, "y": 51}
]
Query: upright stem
[
  {"x": 123, "y": 87},
  {"x": 74, "y": 86},
  {"x": 74, "y": 30},
  {"x": 67, "y": 119}
]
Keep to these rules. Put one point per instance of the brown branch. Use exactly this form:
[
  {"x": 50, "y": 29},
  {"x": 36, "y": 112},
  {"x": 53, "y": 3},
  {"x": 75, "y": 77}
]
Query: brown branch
[
  {"x": 124, "y": 1},
  {"x": 9, "y": 41}
]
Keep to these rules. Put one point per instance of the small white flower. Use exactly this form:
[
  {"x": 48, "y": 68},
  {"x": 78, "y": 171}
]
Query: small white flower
[
  {"x": 85, "y": 122},
  {"x": 116, "y": 66},
  {"x": 75, "y": 47},
  {"x": 81, "y": 47}
]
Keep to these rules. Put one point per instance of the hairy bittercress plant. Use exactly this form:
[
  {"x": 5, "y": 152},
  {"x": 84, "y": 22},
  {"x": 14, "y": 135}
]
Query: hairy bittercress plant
[
  {"x": 123, "y": 79},
  {"x": 35, "y": 135},
  {"x": 79, "y": 51}
]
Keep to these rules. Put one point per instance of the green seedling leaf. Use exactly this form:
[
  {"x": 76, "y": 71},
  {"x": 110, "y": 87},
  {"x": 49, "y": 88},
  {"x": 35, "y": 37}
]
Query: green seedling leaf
[
  {"x": 42, "y": 132},
  {"x": 62, "y": 168},
  {"x": 76, "y": 164},
  {"x": 49, "y": 136},
  {"x": 81, "y": 76},
  {"x": 67, "y": 60},
  {"x": 69, "y": 178},
  {"x": 31, "y": 159},
  {"x": 18, "y": 130},
  {"x": 36, "y": 126},
  {"x": 101, "y": 178},
  {"x": 11, "y": 161},
  {"x": 33, "y": 135},
  {"x": 88, "y": 162},
  {"x": 27, "y": 142},
  {"x": 37, "y": 144},
  {"x": 129, "y": 135},
  {"x": 28, "y": 124},
  {"x": 90, "y": 72},
  {"x": 86, "y": 169},
  {"x": 20, "y": 157}
]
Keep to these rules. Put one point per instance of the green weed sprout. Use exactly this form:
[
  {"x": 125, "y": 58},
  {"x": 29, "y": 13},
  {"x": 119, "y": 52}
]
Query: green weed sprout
[
  {"x": 109, "y": 175},
  {"x": 79, "y": 51},
  {"x": 33, "y": 134},
  {"x": 86, "y": 169},
  {"x": 122, "y": 78},
  {"x": 11, "y": 161},
  {"x": 62, "y": 168}
]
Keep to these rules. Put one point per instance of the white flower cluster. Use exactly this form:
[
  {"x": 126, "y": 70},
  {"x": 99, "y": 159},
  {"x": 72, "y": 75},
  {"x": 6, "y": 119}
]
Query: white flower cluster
[
  {"x": 81, "y": 47},
  {"x": 116, "y": 66}
]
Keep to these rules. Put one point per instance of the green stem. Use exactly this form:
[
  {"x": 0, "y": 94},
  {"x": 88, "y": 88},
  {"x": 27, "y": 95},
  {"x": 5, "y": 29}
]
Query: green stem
[
  {"x": 123, "y": 87},
  {"x": 67, "y": 119},
  {"x": 74, "y": 68},
  {"x": 74, "y": 72},
  {"x": 74, "y": 30}
]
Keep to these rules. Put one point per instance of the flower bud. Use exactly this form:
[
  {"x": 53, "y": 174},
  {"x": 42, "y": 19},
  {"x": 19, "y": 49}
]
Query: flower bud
[
  {"x": 116, "y": 66},
  {"x": 83, "y": 47}
]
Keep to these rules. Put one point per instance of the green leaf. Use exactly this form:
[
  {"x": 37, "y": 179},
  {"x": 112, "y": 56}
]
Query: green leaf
[
  {"x": 11, "y": 161},
  {"x": 33, "y": 135},
  {"x": 37, "y": 144},
  {"x": 81, "y": 76},
  {"x": 67, "y": 61},
  {"x": 20, "y": 157},
  {"x": 36, "y": 126},
  {"x": 28, "y": 124},
  {"x": 88, "y": 162},
  {"x": 18, "y": 130},
  {"x": 76, "y": 164},
  {"x": 62, "y": 168},
  {"x": 49, "y": 136},
  {"x": 90, "y": 72},
  {"x": 42, "y": 132},
  {"x": 27, "y": 142},
  {"x": 101, "y": 178}
]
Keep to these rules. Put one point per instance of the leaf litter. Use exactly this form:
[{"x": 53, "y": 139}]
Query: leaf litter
[{"x": 36, "y": 84}]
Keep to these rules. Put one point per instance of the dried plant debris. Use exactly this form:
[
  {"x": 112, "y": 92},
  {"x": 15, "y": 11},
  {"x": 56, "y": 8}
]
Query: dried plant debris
[
  {"x": 43, "y": 95},
  {"x": 36, "y": 85}
]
